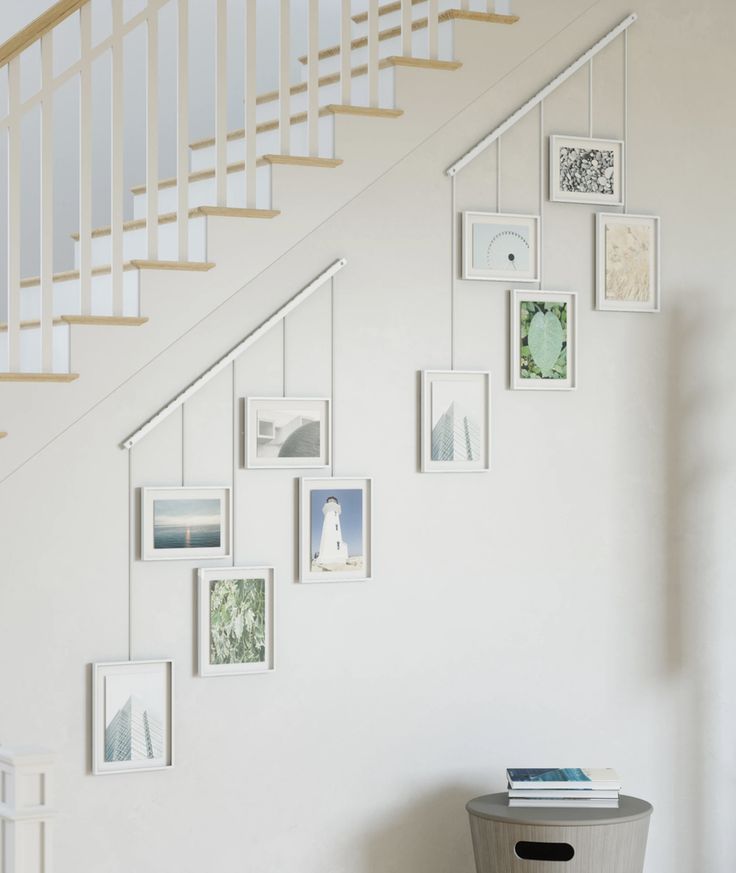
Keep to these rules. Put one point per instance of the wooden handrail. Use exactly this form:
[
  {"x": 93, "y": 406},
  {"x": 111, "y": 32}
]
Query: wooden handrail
[{"x": 37, "y": 28}]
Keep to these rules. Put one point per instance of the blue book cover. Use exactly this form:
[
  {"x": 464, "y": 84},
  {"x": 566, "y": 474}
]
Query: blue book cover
[{"x": 562, "y": 777}]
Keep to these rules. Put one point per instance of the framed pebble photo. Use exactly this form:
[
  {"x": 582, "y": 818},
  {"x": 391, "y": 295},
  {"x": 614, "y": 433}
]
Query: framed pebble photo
[
  {"x": 584, "y": 170},
  {"x": 500, "y": 247}
]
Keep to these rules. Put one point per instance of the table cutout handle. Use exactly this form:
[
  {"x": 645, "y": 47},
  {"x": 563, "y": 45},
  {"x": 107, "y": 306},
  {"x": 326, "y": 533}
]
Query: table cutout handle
[{"x": 535, "y": 851}]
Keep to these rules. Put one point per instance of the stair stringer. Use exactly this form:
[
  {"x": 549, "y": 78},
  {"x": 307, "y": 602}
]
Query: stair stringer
[{"x": 244, "y": 250}]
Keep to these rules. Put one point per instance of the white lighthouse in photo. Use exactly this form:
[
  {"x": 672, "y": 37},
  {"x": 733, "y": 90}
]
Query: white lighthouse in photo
[{"x": 332, "y": 548}]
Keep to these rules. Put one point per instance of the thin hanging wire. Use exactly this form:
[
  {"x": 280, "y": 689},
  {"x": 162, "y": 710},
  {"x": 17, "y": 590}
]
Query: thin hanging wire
[
  {"x": 131, "y": 546},
  {"x": 332, "y": 376},
  {"x": 590, "y": 98},
  {"x": 626, "y": 120},
  {"x": 498, "y": 174},
  {"x": 541, "y": 189},
  {"x": 235, "y": 430},
  {"x": 453, "y": 269},
  {"x": 183, "y": 472},
  {"x": 283, "y": 356}
]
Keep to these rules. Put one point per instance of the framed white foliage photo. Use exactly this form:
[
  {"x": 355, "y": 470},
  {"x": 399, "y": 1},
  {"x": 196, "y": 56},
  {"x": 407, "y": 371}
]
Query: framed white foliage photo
[
  {"x": 335, "y": 530},
  {"x": 287, "y": 432},
  {"x": 132, "y": 716},
  {"x": 185, "y": 523},
  {"x": 236, "y": 620},
  {"x": 543, "y": 340},
  {"x": 456, "y": 421},
  {"x": 585, "y": 170},
  {"x": 627, "y": 262},
  {"x": 500, "y": 247}
]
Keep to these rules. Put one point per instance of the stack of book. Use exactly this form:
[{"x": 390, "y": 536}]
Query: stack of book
[{"x": 564, "y": 787}]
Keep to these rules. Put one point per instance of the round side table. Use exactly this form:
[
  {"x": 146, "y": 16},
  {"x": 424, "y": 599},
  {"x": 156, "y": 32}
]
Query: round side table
[{"x": 511, "y": 839}]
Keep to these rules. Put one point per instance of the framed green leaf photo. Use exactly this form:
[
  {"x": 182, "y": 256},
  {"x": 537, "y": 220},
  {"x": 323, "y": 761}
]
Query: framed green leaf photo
[
  {"x": 543, "y": 340},
  {"x": 235, "y": 620}
]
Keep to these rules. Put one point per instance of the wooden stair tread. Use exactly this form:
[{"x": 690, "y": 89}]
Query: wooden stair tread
[
  {"x": 106, "y": 269},
  {"x": 105, "y": 320},
  {"x": 419, "y": 24},
  {"x": 370, "y": 111},
  {"x": 196, "y": 212},
  {"x": 3, "y": 434},
  {"x": 302, "y": 161},
  {"x": 196, "y": 176},
  {"x": 38, "y": 377}
]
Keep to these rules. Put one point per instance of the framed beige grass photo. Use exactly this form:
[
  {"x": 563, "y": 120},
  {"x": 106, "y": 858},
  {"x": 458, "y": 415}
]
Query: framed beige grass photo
[
  {"x": 627, "y": 261},
  {"x": 235, "y": 621}
]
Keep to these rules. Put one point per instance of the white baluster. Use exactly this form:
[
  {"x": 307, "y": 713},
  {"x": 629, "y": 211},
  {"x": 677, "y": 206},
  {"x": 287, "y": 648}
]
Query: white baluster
[
  {"x": 466, "y": 4},
  {"x": 182, "y": 132},
  {"x": 14, "y": 233},
  {"x": 117, "y": 165},
  {"x": 345, "y": 60},
  {"x": 221, "y": 104},
  {"x": 250, "y": 103},
  {"x": 433, "y": 29},
  {"x": 284, "y": 78},
  {"x": 152, "y": 150},
  {"x": 26, "y": 812},
  {"x": 406, "y": 27},
  {"x": 47, "y": 203},
  {"x": 85, "y": 160},
  {"x": 313, "y": 77},
  {"x": 373, "y": 52}
]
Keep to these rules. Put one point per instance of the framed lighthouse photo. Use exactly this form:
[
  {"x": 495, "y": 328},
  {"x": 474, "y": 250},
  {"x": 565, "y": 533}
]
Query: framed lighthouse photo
[{"x": 335, "y": 530}]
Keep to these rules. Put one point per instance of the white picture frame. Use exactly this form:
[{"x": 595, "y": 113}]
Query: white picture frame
[
  {"x": 213, "y": 656},
  {"x": 444, "y": 391},
  {"x": 353, "y": 522},
  {"x": 274, "y": 424},
  {"x": 627, "y": 259},
  {"x": 507, "y": 243},
  {"x": 132, "y": 716},
  {"x": 576, "y": 183},
  {"x": 184, "y": 532},
  {"x": 525, "y": 305}
]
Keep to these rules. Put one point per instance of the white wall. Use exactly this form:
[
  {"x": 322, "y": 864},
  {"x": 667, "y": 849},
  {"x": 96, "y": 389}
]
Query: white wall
[{"x": 572, "y": 606}]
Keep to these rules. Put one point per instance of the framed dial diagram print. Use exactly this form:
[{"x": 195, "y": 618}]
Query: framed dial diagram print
[{"x": 500, "y": 247}]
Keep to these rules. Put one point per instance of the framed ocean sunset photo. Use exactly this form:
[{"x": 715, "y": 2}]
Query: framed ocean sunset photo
[{"x": 185, "y": 523}]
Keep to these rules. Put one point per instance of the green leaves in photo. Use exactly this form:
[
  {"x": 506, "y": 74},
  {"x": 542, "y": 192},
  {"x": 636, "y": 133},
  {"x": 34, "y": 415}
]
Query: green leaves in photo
[
  {"x": 238, "y": 621},
  {"x": 543, "y": 340}
]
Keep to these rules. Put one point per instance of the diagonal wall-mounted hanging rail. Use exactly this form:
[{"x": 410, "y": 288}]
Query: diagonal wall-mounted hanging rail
[
  {"x": 497, "y": 132},
  {"x": 234, "y": 353}
]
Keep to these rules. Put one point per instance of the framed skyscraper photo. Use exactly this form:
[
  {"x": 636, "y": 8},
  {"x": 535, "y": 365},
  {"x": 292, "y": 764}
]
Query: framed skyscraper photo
[
  {"x": 235, "y": 620},
  {"x": 335, "y": 530},
  {"x": 132, "y": 716},
  {"x": 500, "y": 247},
  {"x": 287, "y": 432},
  {"x": 456, "y": 421}
]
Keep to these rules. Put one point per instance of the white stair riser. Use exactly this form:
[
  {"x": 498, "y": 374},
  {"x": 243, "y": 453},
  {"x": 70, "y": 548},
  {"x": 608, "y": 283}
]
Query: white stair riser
[
  {"x": 390, "y": 47},
  {"x": 203, "y": 193},
  {"x": 203, "y": 159},
  {"x": 30, "y": 349},
  {"x": 135, "y": 244},
  {"x": 67, "y": 300}
]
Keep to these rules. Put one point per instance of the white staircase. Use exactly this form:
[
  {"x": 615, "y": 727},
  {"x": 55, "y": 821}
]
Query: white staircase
[{"x": 75, "y": 324}]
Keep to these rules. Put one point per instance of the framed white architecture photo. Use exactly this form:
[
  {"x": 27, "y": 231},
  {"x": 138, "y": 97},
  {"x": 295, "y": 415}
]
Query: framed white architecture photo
[
  {"x": 236, "y": 621},
  {"x": 500, "y": 247},
  {"x": 456, "y": 421},
  {"x": 585, "y": 170},
  {"x": 287, "y": 432},
  {"x": 543, "y": 340},
  {"x": 627, "y": 262},
  {"x": 335, "y": 530},
  {"x": 132, "y": 716},
  {"x": 185, "y": 523}
]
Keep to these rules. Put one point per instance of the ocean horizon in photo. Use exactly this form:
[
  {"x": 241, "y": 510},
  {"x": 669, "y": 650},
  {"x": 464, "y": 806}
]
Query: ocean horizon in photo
[{"x": 187, "y": 536}]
